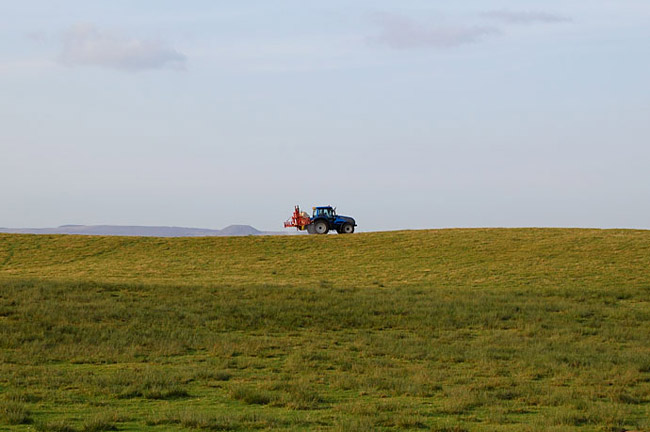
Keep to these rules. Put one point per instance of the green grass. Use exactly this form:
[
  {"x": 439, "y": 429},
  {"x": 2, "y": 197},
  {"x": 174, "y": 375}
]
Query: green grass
[{"x": 447, "y": 330}]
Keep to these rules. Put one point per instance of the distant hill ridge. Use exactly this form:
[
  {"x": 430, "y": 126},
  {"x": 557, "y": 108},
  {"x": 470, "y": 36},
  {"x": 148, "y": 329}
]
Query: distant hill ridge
[{"x": 144, "y": 231}]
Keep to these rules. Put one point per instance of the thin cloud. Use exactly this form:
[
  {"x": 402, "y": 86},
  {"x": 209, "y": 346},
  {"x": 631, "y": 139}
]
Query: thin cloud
[
  {"x": 524, "y": 17},
  {"x": 85, "y": 45},
  {"x": 36, "y": 36},
  {"x": 400, "y": 32}
]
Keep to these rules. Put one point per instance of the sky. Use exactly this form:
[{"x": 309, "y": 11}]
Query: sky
[{"x": 403, "y": 114}]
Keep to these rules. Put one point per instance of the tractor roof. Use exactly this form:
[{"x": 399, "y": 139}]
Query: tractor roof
[{"x": 323, "y": 207}]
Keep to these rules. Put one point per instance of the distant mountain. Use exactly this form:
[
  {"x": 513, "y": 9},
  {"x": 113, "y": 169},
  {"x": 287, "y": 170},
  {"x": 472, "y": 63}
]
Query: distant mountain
[
  {"x": 240, "y": 230},
  {"x": 144, "y": 231}
]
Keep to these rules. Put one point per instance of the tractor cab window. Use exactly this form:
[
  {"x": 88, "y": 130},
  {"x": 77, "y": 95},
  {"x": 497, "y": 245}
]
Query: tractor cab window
[{"x": 324, "y": 212}]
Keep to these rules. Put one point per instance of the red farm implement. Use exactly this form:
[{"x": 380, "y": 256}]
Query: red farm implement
[{"x": 298, "y": 220}]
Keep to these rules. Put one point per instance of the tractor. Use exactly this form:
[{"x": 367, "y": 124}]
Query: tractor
[{"x": 322, "y": 220}]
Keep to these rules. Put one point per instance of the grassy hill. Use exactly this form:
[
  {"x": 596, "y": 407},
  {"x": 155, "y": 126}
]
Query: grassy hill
[{"x": 447, "y": 330}]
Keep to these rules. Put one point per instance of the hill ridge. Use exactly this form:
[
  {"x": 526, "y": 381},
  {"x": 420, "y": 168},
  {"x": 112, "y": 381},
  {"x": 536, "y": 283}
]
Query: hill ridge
[
  {"x": 144, "y": 231},
  {"x": 470, "y": 257}
]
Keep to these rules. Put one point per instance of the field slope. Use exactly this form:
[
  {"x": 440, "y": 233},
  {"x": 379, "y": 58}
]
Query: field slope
[{"x": 444, "y": 330}]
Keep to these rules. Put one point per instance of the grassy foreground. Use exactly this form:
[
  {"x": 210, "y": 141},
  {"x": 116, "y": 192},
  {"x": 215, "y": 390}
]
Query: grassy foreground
[{"x": 446, "y": 330}]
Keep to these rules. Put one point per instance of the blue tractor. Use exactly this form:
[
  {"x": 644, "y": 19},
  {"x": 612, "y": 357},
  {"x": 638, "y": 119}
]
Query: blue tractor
[
  {"x": 322, "y": 221},
  {"x": 325, "y": 219}
]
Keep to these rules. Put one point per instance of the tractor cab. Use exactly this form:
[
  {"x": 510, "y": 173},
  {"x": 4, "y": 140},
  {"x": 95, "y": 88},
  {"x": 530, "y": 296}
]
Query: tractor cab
[{"x": 324, "y": 212}]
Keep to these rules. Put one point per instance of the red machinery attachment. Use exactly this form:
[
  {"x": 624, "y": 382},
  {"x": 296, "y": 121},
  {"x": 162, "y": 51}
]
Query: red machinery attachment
[{"x": 298, "y": 220}]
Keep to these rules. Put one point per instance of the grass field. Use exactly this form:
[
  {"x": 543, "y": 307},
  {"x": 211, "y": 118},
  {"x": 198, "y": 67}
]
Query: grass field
[{"x": 443, "y": 330}]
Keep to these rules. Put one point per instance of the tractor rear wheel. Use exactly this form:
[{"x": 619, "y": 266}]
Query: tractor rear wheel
[
  {"x": 320, "y": 227},
  {"x": 347, "y": 228}
]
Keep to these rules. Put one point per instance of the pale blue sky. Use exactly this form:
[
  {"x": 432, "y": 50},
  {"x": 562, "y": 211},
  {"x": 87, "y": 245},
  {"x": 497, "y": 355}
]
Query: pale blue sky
[{"x": 409, "y": 114}]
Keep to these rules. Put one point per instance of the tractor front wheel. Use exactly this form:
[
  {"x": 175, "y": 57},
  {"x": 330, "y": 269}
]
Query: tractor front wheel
[
  {"x": 321, "y": 227},
  {"x": 347, "y": 228}
]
